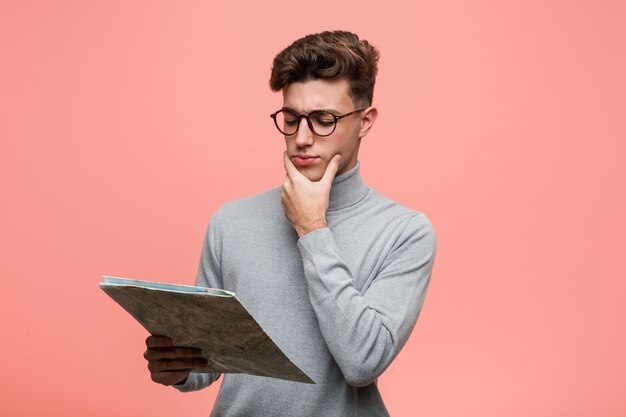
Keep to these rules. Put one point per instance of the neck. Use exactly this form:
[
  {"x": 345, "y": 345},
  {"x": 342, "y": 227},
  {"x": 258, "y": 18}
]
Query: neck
[{"x": 347, "y": 189}]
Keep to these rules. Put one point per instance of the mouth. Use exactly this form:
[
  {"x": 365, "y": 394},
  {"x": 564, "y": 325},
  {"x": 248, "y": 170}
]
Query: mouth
[{"x": 305, "y": 160}]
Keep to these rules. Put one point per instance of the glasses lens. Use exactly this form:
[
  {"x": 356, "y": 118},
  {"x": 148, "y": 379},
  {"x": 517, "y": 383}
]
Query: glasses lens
[
  {"x": 323, "y": 123},
  {"x": 287, "y": 122}
]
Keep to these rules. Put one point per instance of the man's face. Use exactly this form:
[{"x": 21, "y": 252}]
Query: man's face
[{"x": 303, "y": 98}]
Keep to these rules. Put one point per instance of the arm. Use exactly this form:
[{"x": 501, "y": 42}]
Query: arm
[{"x": 365, "y": 332}]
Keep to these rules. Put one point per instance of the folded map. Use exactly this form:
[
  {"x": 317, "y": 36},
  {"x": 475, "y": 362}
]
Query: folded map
[{"x": 211, "y": 319}]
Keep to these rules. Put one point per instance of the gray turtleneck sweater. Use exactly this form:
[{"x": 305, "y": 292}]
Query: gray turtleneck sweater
[{"x": 340, "y": 301}]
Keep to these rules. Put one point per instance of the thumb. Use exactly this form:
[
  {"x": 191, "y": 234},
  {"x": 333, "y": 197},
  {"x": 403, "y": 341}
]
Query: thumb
[{"x": 332, "y": 168}]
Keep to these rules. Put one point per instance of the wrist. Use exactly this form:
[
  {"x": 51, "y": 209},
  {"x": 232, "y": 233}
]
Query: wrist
[{"x": 310, "y": 227}]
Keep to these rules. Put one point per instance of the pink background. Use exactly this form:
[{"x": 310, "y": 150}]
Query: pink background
[{"x": 125, "y": 124}]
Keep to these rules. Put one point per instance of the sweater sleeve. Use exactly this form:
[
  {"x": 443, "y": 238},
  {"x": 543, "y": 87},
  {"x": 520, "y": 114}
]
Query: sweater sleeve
[
  {"x": 365, "y": 331},
  {"x": 209, "y": 275}
]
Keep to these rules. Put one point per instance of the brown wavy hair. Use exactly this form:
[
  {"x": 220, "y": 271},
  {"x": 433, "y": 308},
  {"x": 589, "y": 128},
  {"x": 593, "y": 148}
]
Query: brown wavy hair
[{"x": 329, "y": 55}]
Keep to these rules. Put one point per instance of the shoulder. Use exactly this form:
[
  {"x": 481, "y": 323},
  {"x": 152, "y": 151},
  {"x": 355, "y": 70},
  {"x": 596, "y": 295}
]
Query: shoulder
[
  {"x": 410, "y": 224},
  {"x": 261, "y": 202},
  {"x": 264, "y": 205}
]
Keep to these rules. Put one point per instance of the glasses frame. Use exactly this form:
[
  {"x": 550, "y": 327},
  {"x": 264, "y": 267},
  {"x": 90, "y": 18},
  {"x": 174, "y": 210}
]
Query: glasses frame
[{"x": 308, "y": 120}]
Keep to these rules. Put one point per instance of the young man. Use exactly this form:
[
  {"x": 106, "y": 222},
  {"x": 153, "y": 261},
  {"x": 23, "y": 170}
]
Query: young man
[{"x": 333, "y": 271}]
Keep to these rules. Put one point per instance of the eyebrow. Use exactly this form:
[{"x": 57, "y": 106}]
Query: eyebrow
[{"x": 333, "y": 111}]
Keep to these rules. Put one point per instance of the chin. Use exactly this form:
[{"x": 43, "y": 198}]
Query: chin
[{"x": 312, "y": 175}]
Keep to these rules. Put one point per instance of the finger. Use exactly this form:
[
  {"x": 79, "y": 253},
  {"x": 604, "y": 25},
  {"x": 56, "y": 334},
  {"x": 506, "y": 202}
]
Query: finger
[
  {"x": 331, "y": 169},
  {"x": 176, "y": 365},
  {"x": 172, "y": 353},
  {"x": 169, "y": 378},
  {"x": 288, "y": 186},
  {"x": 158, "y": 341},
  {"x": 290, "y": 168}
]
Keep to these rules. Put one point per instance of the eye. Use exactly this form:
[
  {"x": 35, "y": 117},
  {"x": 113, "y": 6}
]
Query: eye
[
  {"x": 290, "y": 119},
  {"x": 324, "y": 119}
]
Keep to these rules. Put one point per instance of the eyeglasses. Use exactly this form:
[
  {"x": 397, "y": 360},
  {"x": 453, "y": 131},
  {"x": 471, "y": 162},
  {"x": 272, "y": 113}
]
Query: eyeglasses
[{"x": 321, "y": 122}]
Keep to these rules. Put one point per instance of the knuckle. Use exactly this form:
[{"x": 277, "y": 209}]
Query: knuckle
[{"x": 157, "y": 341}]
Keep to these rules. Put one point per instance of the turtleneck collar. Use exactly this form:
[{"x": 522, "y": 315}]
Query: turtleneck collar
[{"x": 347, "y": 189}]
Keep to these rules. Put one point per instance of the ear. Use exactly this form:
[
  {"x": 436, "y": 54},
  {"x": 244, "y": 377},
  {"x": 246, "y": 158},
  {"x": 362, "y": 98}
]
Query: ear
[{"x": 368, "y": 117}]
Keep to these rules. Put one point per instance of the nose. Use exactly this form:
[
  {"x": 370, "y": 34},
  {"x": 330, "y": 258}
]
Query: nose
[{"x": 304, "y": 135}]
